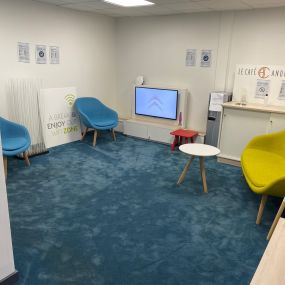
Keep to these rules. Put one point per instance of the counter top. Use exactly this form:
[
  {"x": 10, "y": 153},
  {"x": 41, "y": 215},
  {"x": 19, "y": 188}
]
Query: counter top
[
  {"x": 255, "y": 107},
  {"x": 271, "y": 267}
]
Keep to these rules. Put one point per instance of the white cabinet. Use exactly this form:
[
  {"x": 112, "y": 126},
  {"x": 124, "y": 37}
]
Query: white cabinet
[
  {"x": 277, "y": 122},
  {"x": 240, "y": 124},
  {"x": 135, "y": 129},
  {"x": 148, "y": 130}
]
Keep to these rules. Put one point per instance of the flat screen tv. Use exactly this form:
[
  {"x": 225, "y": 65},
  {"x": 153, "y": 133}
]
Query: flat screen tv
[{"x": 156, "y": 102}]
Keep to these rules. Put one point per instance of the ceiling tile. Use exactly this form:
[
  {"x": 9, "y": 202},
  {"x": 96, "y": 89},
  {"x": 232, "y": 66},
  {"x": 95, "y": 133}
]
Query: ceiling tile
[
  {"x": 165, "y": 7},
  {"x": 169, "y": 1},
  {"x": 158, "y": 10},
  {"x": 220, "y": 5},
  {"x": 60, "y": 2},
  {"x": 89, "y": 6},
  {"x": 56, "y": 2},
  {"x": 122, "y": 12},
  {"x": 186, "y": 7},
  {"x": 264, "y": 3}
]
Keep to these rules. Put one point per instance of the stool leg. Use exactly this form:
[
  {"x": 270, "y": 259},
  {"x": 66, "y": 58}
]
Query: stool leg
[
  {"x": 203, "y": 174},
  {"x": 174, "y": 144},
  {"x": 183, "y": 174},
  {"x": 279, "y": 213}
]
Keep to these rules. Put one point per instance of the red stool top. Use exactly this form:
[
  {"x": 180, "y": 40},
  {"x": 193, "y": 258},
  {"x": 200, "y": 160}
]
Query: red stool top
[{"x": 184, "y": 133}]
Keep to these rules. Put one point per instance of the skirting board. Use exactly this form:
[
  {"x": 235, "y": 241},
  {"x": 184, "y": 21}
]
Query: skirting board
[
  {"x": 11, "y": 279},
  {"x": 229, "y": 161},
  {"x": 199, "y": 139}
]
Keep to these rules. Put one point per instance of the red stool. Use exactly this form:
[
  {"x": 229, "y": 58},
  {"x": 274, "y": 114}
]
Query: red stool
[{"x": 181, "y": 134}]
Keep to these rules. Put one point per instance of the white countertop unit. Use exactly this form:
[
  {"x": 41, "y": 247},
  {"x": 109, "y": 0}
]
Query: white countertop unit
[{"x": 255, "y": 107}]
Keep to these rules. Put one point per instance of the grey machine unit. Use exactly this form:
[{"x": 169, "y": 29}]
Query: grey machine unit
[{"x": 214, "y": 116}]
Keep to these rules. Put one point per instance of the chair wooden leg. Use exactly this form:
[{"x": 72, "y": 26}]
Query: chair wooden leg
[
  {"x": 261, "y": 208},
  {"x": 94, "y": 138},
  {"x": 5, "y": 166},
  {"x": 186, "y": 168},
  {"x": 84, "y": 133},
  {"x": 26, "y": 158},
  {"x": 113, "y": 134},
  {"x": 278, "y": 215}
]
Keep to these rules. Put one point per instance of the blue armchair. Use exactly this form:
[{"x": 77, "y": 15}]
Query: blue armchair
[
  {"x": 15, "y": 140},
  {"x": 95, "y": 115}
]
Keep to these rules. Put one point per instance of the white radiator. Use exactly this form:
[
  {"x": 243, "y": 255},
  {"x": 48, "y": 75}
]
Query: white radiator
[{"x": 23, "y": 108}]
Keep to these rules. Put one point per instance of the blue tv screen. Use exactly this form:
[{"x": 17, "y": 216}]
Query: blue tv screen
[{"x": 156, "y": 102}]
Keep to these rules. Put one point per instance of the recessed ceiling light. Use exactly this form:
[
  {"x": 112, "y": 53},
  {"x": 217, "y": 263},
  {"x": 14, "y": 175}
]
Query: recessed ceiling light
[{"x": 129, "y": 3}]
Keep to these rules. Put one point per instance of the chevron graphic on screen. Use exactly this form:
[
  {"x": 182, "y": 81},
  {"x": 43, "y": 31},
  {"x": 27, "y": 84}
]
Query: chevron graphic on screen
[
  {"x": 70, "y": 98},
  {"x": 155, "y": 103}
]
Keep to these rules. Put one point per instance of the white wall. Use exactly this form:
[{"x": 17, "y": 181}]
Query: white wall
[
  {"x": 257, "y": 38},
  {"x": 155, "y": 47},
  {"x": 97, "y": 50},
  {"x": 86, "y": 41}
]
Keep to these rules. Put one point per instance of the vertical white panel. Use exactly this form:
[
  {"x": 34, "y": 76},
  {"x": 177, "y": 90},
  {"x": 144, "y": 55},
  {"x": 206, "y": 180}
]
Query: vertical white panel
[
  {"x": 224, "y": 49},
  {"x": 7, "y": 266},
  {"x": 23, "y": 109}
]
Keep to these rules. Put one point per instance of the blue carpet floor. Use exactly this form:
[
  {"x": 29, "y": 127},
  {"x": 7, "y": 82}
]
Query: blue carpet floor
[{"x": 114, "y": 215}]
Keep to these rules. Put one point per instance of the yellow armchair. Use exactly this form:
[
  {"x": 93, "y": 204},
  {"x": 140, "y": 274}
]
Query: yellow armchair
[{"x": 263, "y": 165}]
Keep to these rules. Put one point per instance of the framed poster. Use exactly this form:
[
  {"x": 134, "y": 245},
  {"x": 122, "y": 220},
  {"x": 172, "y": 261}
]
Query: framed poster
[
  {"x": 262, "y": 88},
  {"x": 23, "y": 52},
  {"x": 190, "y": 57},
  {"x": 282, "y": 91},
  {"x": 41, "y": 54},
  {"x": 206, "y": 57},
  {"x": 54, "y": 55}
]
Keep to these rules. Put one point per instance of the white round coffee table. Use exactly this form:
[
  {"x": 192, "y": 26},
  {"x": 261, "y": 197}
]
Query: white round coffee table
[{"x": 200, "y": 150}]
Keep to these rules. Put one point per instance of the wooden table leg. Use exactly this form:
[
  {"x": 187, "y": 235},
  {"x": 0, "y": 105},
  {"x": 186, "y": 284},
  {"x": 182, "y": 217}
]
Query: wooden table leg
[
  {"x": 279, "y": 213},
  {"x": 183, "y": 174},
  {"x": 203, "y": 174}
]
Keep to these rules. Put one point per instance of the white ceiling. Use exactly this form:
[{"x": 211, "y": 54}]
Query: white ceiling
[{"x": 165, "y": 7}]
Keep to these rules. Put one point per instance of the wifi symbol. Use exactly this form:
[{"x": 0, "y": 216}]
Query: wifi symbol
[{"x": 70, "y": 98}]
